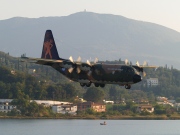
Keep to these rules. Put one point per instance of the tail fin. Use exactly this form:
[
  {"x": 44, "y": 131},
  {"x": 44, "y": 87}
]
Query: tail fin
[{"x": 49, "y": 50}]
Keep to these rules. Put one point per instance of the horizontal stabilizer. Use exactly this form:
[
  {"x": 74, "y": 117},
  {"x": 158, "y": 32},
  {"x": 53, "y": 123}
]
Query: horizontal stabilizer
[{"x": 40, "y": 61}]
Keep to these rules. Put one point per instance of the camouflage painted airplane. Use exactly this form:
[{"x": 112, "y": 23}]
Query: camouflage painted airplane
[{"x": 88, "y": 73}]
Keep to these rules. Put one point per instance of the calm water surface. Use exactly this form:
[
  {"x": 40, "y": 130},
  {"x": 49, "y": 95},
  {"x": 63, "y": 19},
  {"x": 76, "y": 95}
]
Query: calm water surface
[{"x": 88, "y": 127}]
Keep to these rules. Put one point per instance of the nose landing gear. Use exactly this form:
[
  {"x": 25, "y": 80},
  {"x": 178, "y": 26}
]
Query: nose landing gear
[{"x": 127, "y": 86}]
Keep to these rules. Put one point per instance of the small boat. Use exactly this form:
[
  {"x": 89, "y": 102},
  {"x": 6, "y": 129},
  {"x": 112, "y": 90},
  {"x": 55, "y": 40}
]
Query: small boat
[{"x": 104, "y": 123}]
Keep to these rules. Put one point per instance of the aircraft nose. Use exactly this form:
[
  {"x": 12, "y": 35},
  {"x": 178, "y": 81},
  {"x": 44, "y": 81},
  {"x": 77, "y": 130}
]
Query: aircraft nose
[{"x": 137, "y": 78}]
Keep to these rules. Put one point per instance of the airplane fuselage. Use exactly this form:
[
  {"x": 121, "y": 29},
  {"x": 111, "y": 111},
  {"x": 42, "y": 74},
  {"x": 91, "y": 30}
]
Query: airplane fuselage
[{"x": 100, "y": 73}]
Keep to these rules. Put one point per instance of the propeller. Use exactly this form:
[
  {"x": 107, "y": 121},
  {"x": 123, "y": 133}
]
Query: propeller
[
  {"x": 126, "y": 61},
  {"x": 71, "y": 59},
  {"x": 79, "y": 59},
  {"x": 75, "y": 65},
  {"x": 145, "y": 63},
  {"x": 140, "y": 68},
  {"x": 137, "y": 63},
  {"x": 91, "y": 65},
  {"x": 96, "y": 60},
  {"x": 71, "y": 70}
]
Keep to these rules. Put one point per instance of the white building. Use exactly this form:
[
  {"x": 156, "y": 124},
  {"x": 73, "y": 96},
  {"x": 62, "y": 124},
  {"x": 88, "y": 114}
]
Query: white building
[
  {"x": 63, "y": 109},
  {"x": 148, "y": 108},
  {"x": 6, "y": 107},
  {"x": 50, "y": 102},
  {"x": 162, "y": 99},
  {"x": 108, "y": 102},
  {"x": 152, "y": 82}
]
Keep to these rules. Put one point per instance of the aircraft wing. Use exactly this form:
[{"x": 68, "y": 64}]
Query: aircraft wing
[
  {"x": 64, "y": 63},
  {"x": 148, "y": 66}
]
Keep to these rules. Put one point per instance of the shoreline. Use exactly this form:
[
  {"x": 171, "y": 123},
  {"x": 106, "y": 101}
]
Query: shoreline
[{"x": 98, "y": 118}]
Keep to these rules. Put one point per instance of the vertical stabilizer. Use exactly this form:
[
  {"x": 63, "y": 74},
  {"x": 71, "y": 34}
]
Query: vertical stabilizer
[{"x": 49, "y": 50}]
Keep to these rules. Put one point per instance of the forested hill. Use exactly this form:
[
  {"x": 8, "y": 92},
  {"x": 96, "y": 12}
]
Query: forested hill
[
  {"x": 91, "y": 35},
  {"x": 46, "y": 83}
]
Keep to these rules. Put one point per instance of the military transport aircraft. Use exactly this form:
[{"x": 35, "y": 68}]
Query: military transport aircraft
[{"x": 87, "y": 73}]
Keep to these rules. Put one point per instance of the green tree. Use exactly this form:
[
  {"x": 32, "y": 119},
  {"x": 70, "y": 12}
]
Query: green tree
[
  {"x": 70, "y": 91},
  {"x": 94, "y": 94},
  {"x": 159, "y": 109}
]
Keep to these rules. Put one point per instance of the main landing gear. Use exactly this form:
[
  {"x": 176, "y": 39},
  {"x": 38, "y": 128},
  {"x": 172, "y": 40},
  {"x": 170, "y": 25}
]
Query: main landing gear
[
  {"x": 102, "y": 85},
  {"x": 85, "y": 84},
  {"x": 127, "y": 86},
  {"x": 95, "y": 84}
]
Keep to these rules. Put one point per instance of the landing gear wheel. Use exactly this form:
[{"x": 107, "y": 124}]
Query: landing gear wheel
[
  {"x": 127, "y": 86},
  {"x": 96, "y": 84},
  {"x": 88, "y": 84},
  {"x": 102, "y": 85},
  {"x": 82, "y": 84}
]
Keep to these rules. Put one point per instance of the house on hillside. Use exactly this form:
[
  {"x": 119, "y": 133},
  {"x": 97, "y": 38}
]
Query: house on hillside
[
  {"x": 98, "y": 107},
  {"x": 108, "y": 102},
  {"x": 47, "y": 103},
  {"x": 65, "y": 109},
  {"x": 148, "y": 108},
  {"x": 152, "y": 82},
  {"x": 5, "y": 106},
  {"x": 162, "y": 99}
]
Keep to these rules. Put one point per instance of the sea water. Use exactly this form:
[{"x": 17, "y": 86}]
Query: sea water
[{"x": 88, "y": 127}]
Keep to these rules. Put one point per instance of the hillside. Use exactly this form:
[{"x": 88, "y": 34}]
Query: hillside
[{"x": 90, "y": 35}]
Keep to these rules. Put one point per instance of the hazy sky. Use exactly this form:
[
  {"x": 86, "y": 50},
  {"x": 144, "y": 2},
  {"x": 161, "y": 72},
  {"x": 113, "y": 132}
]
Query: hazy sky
[{"x": 163, "y": 12}]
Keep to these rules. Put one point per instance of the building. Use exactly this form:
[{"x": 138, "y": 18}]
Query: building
[
  {"x": 108, "y": 102},
  {"x": 152, "y": 82},
  {"x": 95, "y": 106},
  {"x": 47, "y": 103},
  {"x": 148, "y": 108},
  {"x": 162, "y": 99},
  {"x": 65, "y": 109},
  {"x": 5, "y": 106}
]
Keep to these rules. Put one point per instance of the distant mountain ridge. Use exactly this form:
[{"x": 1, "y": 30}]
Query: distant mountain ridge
[{"x": 91, "y": 35}]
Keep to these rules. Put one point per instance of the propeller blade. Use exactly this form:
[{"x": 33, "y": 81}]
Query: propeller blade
[
  {"x": 88, "y": 62},
  {"x": 70, "y": 70},
  {"x": 145, "y": 63},
  {"x": 137, "y": 63},
  {"x": 71, "y": 59},
  {"x": 126, "y": 61},
  {"x": 96, "y": 60},
  {"x": 79, "y": 59},
  {"x": 78, "y": 70}
]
